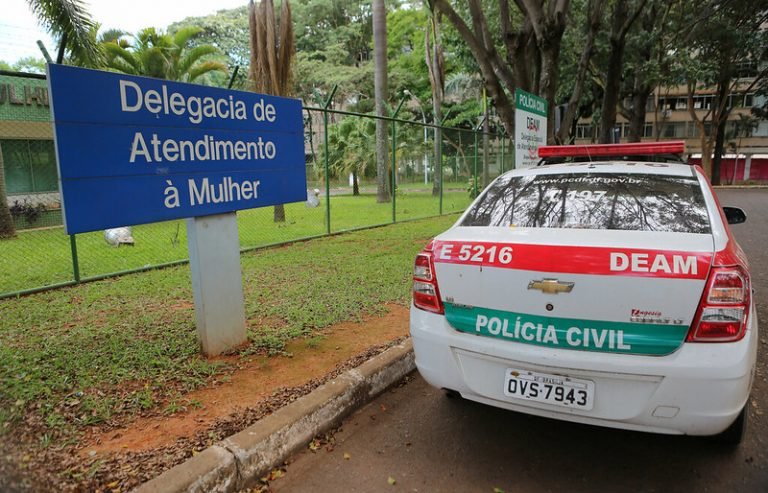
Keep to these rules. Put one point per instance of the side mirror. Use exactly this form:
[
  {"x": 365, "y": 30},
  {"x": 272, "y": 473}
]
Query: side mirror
[{"x": 734, "y": 215}]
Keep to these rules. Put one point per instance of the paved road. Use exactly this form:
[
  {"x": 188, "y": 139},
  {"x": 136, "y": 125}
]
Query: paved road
[{"x": 427, "y": 442}]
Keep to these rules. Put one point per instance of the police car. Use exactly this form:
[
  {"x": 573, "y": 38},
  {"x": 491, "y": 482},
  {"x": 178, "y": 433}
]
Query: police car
[{"x": 607, "y": 291}]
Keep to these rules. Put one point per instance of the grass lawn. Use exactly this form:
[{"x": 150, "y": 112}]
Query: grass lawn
[
  {"x": 42, "y": 257},
  {"x": 103, "y": 351}
]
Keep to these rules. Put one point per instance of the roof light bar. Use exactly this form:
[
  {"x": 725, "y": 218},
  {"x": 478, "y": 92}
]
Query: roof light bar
[{"x": 632, "y": 149}]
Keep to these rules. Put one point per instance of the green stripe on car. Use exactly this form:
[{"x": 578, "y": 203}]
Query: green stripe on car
[{"x": 567, "y": 333}]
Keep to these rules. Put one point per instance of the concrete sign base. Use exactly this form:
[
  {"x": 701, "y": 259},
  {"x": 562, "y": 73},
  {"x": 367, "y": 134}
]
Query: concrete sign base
[{"x": 214, "y": 259}]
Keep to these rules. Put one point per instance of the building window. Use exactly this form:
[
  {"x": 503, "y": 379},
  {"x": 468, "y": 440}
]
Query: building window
[
  {"x": 673, "y": 130},
  {"x": 702, "y": 102},
  {"x": 648, "y": 130},
  {"x": 693, "y": 130},
  {"x": 746, "y": 69},
  {"x": 584, "y": 131},
  {"x": 30, "y": 166}
]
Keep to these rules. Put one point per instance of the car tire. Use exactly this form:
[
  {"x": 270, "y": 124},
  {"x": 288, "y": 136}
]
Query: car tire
[
  {"x": 452, "y": 394},
  {"x": 734, "y": 434}
]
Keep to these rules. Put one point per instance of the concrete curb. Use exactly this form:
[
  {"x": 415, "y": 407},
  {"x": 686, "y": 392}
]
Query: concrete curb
[{"x": 238, "y": 461}]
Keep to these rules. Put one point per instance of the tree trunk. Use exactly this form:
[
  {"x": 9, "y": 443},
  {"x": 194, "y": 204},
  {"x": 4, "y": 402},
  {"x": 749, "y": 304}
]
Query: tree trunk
[
  {"x": 7, "y": 228},
  {"x": 380, "y": 89},
  {"x": 437, "y": 168},
  {"x": 718, "y": 153},
  {"x": 550, "y": 74},
  {"x": 613, "y": 75},
  {"x": 637, "y": 115},
  {"x": 433, "y": 56},
  {"x": 486, "y": 132},
  {"x": 355, "y": 184},
  {"x": 622, "y": 22},
  {"x": 593, "y": 25}
]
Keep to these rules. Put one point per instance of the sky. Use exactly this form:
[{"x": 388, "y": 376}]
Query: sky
[{"x": 19, "y": 29}]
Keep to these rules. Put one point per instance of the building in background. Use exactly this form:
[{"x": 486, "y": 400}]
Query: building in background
[
  {"x": 668, "y": 117},
  {"x": 26, "y": 141},
  {"x": 27, "y": 151}
]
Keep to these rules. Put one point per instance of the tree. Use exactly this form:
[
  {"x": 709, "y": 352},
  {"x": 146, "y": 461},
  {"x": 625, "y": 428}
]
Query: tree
[
  {"x": 726, "y": 35},
  {"x": 531, "y": 42},
  {"x": 647, "y": 62},
  {"x": 227, "y": 30},
  {"x": 272, "y": 52},
  {"x": 623, "y": 17},
  {"x": 68, "y": 19},
  {"x": 593, "y": 19},
  {"x": 29, "y": 64},
  {"x": 351, "y": 146},
  {"x": 433, "y": 51},
  {"x": 743, "y": 127},
  {"x": 380, "y": 89},
  {"x": 154, "y": 53},
  {"x": 334, "y": 48}
]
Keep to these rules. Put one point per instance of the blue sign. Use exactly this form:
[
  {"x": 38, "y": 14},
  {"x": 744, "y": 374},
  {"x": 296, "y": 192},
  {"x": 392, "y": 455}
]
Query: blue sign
[{"x": 134, "y": 150}]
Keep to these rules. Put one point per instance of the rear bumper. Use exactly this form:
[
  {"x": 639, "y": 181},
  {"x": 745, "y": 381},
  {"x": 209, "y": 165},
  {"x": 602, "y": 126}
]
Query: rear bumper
[{"x": 698, "y": 390}]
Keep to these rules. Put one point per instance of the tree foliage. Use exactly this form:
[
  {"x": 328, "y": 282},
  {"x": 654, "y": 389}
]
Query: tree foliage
[{"x": 155, "y": 53}]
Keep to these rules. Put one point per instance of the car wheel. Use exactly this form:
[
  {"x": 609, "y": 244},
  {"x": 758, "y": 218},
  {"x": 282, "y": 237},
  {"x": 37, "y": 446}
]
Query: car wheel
[
  {"x": 452, "y": 394},
  {"x": 734, "y": 434}
]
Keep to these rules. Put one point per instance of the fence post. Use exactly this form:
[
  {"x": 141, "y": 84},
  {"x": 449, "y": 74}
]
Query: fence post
[
  {"x": 394, "y": 160},
  {"x": 327, "y": 162},
  {"x": 440, "y": 166},
  {"x": 75, "y": 260},
  {"x": 474, "y": 178},
  {"x": 503, "y": 144}
]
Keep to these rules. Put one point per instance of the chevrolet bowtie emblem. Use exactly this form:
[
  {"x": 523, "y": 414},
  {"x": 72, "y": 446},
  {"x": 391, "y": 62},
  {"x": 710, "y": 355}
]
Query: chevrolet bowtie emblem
[{"x": 551, "y": 286}]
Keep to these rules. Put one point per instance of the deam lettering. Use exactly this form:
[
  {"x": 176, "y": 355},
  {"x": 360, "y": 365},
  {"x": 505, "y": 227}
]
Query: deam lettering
[{"x": 658, "y": 263}]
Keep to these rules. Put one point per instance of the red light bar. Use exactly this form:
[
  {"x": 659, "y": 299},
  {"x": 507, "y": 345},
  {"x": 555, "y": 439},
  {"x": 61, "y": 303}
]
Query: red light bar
[{"x": 632, "y": 149}]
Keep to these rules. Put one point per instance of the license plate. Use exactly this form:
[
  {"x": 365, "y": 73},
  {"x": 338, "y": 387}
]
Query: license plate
[{"x": 549, "y": 389}]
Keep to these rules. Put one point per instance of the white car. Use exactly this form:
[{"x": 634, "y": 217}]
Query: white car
[{"x": 604, "y": 292}]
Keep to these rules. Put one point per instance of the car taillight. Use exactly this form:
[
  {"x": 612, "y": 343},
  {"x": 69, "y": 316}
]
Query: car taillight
[
  {"x": 724, "y": 308},
  {"x": 426, "y": 294}
]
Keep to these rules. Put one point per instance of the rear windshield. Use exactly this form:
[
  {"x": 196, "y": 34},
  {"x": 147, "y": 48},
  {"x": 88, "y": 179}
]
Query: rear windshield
[{"x": 634, "y": 202}]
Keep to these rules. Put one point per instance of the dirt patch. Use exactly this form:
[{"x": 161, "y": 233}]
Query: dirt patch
[
  {"x": 119, "y": 459},
  {"x": 257, "y": 378}
]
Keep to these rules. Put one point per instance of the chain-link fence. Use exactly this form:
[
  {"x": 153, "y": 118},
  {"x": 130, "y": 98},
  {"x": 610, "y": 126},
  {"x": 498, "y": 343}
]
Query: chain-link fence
[{"x": 342, "y": 186}]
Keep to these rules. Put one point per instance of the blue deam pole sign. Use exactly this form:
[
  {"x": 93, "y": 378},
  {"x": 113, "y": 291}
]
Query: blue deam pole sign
[{"x": 134, "y": 150}]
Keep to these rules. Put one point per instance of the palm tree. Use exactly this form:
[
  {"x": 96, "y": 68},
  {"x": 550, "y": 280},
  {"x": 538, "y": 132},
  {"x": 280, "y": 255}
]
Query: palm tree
[
  {"x": 380, "y": 90},
  {"x": 161, "y": 55},
  {"x": 272, "y": 51},
  {"x": 351, "y": 143},
  {"x": 70, "y": 20}
]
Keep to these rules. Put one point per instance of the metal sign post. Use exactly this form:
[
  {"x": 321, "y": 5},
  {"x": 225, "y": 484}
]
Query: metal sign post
[{"x": 134, "y": 150}]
